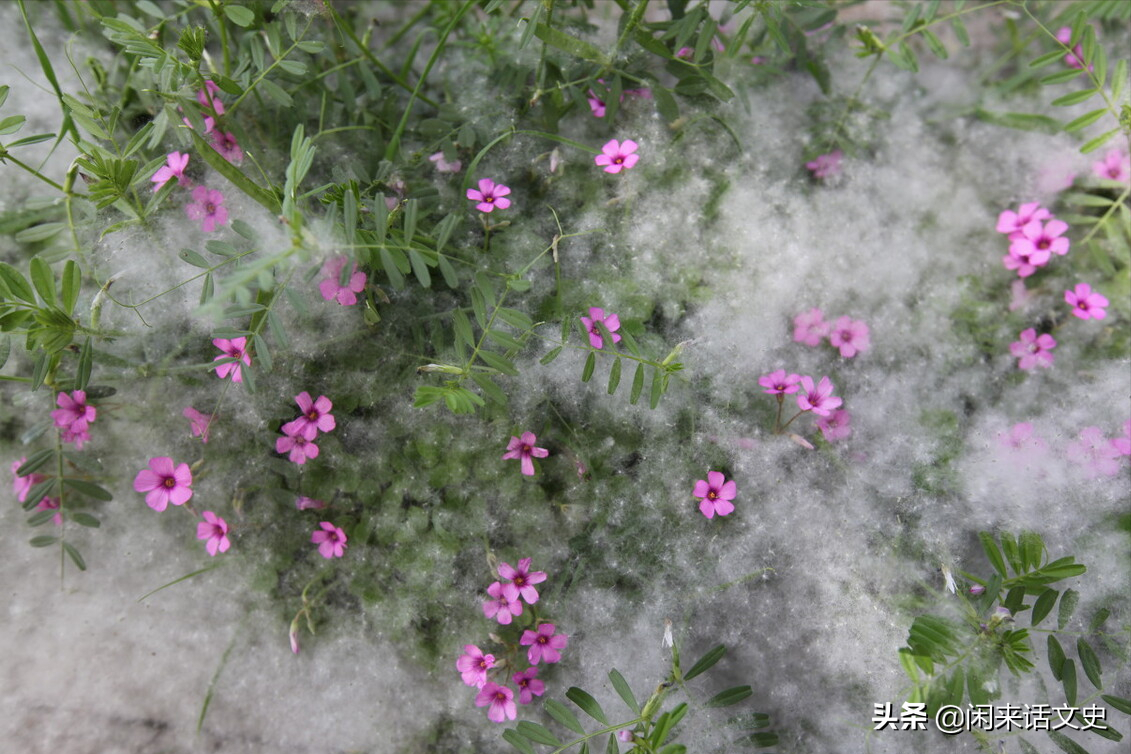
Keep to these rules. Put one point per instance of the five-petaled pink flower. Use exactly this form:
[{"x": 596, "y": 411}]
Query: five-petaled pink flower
[
  {"x": 208, "y": 207},
  {"x": 73, "y": 412},
  {"x": 544, "y": 645},
  {"x": 851, "y": 336},
  {"x": 297, "y": 446},
  {"x": 610, "y": 321},
  {"x": 174, "y": 167},
  {"x": 523, "y": 579},
  {"x": 715, "y": 494},
  {"x": 826, "y": 165},
  {"x": 1115, "y": 166},
  {"x": 1086, "y": 303},
  {"x": 331, "y": 286},
  {"x": 523, "y": 449},
  {"x": 1012, "y": 222},
  {"x": 215, "y": 530},
  {"x": 330, "y": 539},
  {"x": 835, "y": 426},
  {"x": 236, "y": 348},
  {"x": 528, "y": 686},
  {"x": 500, "y": 699},
  {"x": 207, "y": 97},
  {"x": 199, "y": 423},
  {"x": 1033, "y": 350},
  {"x": 164, "y": 484},
  {"x": 1095, "y": 453},
  {"x": 225, "y": 143},
  {"x": 316, "y": 417},
  {"x": 443, "y": 166},
  {"x": 504, "y": 603},
  {"x": 473, "y": 665},
  {"x": 810, "y": 327},
  {"x": 779, "y": 383},
  {"x": 820, "y": 399},
  {"x": 617, "y": 156},
  {"x": 1030, "y": 247},
  {"x": 490, "y": 196}
]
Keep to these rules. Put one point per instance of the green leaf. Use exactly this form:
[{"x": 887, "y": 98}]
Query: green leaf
[
  {"x": 495, "y": 361},
  {"x": 44, "y": 540},
  {"x": 1121, "y": 704},
  {"x": 587, "y": 704},
  {"x": 537, "y": 733},
  {"x": 35, "y": 461},
  {"x": 569, "y": 44},
  {"x": 451, "y": 279},
  {"x": 1089, "y": 662},
  {"x": 1043, "y": 606},
  {"x": 623, "y": 689},
  {"x": 85, "y": 365},
  {"x": 561, "y": 713},
  {"x": 1046, "y": 59},
  {"x": 396, "y": 279},
  {"x": 729, "y": 697},
  {"x": 1056, "y": 657},
  {"x": 637, "y": 385},
  {"x": 590, "y": 365},
  {"x": 217, "y": 162},
  {"x": 5, "y": 348},
  {"x": 1032, "y": 550},
  {"x": 1068, "y": 602},
  {"x": 550, "y": 356},
  {"x": 505, "y": 340},
  {"x": 614, "y": 376},
  {"x": 512, "y": 737},
  {"x": 262, "y": 352},
  {"x": 1068, "y": 680},
  {"x": 1099, "y": 141},
  {"x": 657, "y": 389},
  {"x": 239, "y": 15},
  {"x": 1066, "y": 744},
  {"x": 72, "y": 286},
  {"x": 514, "y": 318},
  {"x": 707, "y": 661},
  {"x": 1074, "y": 98},
  {"x": 420, "y": 268},
  {"x": 85, "y": 519},
  {"x": 193, "y": 258},
  {"x": 666, "y": 105},
  {"x": 1085, "y": 120},
  {"x": 43, "y": 279},
  {"x": 1062, "y": 76},
  {"x": 16, "y": 283},
  {"x": 490, "y": 388},
  {"x": 934, "y": 44},
  {"x": 276, "y": 93},
  {"x": 1020, "y": 121},
  {"x": 1119, "y": 80}
]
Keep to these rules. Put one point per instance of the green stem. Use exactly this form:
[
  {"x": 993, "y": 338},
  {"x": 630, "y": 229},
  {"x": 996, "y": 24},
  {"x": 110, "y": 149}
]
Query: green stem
[{"x": 7, "y": 157}]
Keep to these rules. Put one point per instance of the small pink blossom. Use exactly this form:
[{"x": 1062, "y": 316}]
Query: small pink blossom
[
  {"x": 164, "y": 484},
  {"x": 73, "y": 412},
  {"x": 826, "y": 165},
  {"x": 810, "y": 327},
  {"x": 524, "y": 450},
  {"x": 617, "y": 156},
  {"x": 851, "y": 336},
  {"x": 200, "y": 424},
  {"x": 77, "y": 434},
  {"x": 1085, "y": 303},
  {"x": 300, "y": 449},
  {"x": 1075, "y": 58},
  {"x": 304, "y": 503},
  {"x": 1033, "y": 237},
  {"x": 21, "y": 485},
  {"x": 504, "y": 604},
  {"x": 1094, "y": 453},
  {"x": 523, "y": 579},
  {"x": 1012, "y": 222},
  {"x": 209, "y": 97},
  {"x": 610, "y": 321},
  {"x": 443, "y": 166},
  {"x": 236, "y": 348},
  {"x": 779, "y": 383},
  {"x": 490, "y": 196},
  {"x": 215, "y": 530},
  {"x": 1115, "y": 166},
  {"x": 225, "y": 143},
  {"x": 473, "y": 665},
  {"x": 208, "y": 207},
  {"x": 331, "y": 287},
  {"x": 500, "y": 699},
  {"x": 330, "y": 539},
  {"x": 819, "y": 399},
  {"x": 1019, "y": 295},
  {"x": 835, "y": 426},
  {"x": 292, "y": 634},
  {"x": 174, "y": 167},
  {"x": 528, "y": 686},
  {"x": 715, "y": 494},
  {"x": 1021, "y": 438},
  {"x": 544, "y": 645},
  {"x": 51, "y": 504},
  {"x": 1025, "y": 261},
  {"x": 1033, "y": 350},
  {"x": 209, "y": 123},
  {"x": 315, "y": 418}
]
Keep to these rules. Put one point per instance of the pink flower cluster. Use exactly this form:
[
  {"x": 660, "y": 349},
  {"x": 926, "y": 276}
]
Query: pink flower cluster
[
  {"x": 1095, "y": 454},
  {"x": 1031, "y": 243},
  {"x": 825, "y": 165},
  {"x": 299, "y": 435},
  {"x": 544, "y": 645},
  {"x": 223, "y": 142},
  {"x": 849, "y": 336},
  {"x": 833, "y": 422},
  {"x": 74, "y": 416},
  {"x": 331, "y": 286},
  {"x": 21, "y": 486}
]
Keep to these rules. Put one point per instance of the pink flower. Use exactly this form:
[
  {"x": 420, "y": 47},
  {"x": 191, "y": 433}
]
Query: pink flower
[
  {"x": 544, "y": 645},
  {"x": 207, "y": 97},
  {"x": 610, "y": 321},
  {"x": 617, "y": 156},
  {"x": 715, "y": 494},
  {"x": 1033, "y": 238},
  {"x": 215, "y": 530},
  {"x": 164, "y": 484},
  {"x": 1021, "y": 438},
  {"x": 1075, "y": 58},
  {"x": 51, "y": 504},
  {"x": 810, "y": 327},
  {"x": 292, "y": 634},
  {"x": 236, "y": 348},
  {"x": 779, "y": 383},
  {"x": 303, "y": 503},
  {"x": 684, "y": 52},
  {"x": 523, "y": 449},
  {"x": 1019, "y": 295},
  {"x": 208, "y": 207},
  {"x": 473, "y": 664},
  {"x": 1085, "y": 303},
  {"x": 331, "y": 287},
  {"x": 209, "y": 123},
  {"x": 819, "y": 399},
  {"x": 330, "y": 539},
  {"x": 836, "y": 426},
  {"x": 596, "y": 105},
  {"x": 174, "y": 167},
  {"x": 1122, "y": 445},
  {"x": 299, "y": 448},
  {"x": 73, "y": 413},
  {"x": 76, "y": 434},
  {"x": 490, "y": 196},
  {"x": 225, "y": 143},
  {"x": 528, "y": 686},
  {"x": 501, "y": 700},
  {"x": 851, "y": 336},
  {"x": 505, "y": 604},
  {"x": 522, "y": 579},
  {"x": 1095, "y": 453},
  {"x": 1033, "y": 350},
  {"x": 21, "y": 485},
  {"x": 826, "y": 165},
  {"x": 443, "y": 166},
  {"x": 315, "y": 417},
  {"x": 1012, "y": 222},
  {"x": 1115, "y": 166},
  {"x": 199, "y": 423}
]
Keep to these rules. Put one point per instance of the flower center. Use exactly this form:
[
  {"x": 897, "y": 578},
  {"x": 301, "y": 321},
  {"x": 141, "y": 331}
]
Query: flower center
[
  {"x": 618, "y": 161},
  {"x": 526, "y": 450},
  {"x": 712, "y": 495},
  {"x": 519, "y": 581},
  {"x": 543, "y": 639},
  {"x": 170, "y": 482},
  {"x": 210, "y": 208},
  {"x": 489, "y": 199},
  {"x": 1043, "y": 244},
  {"x": 313, "y": 415}
]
